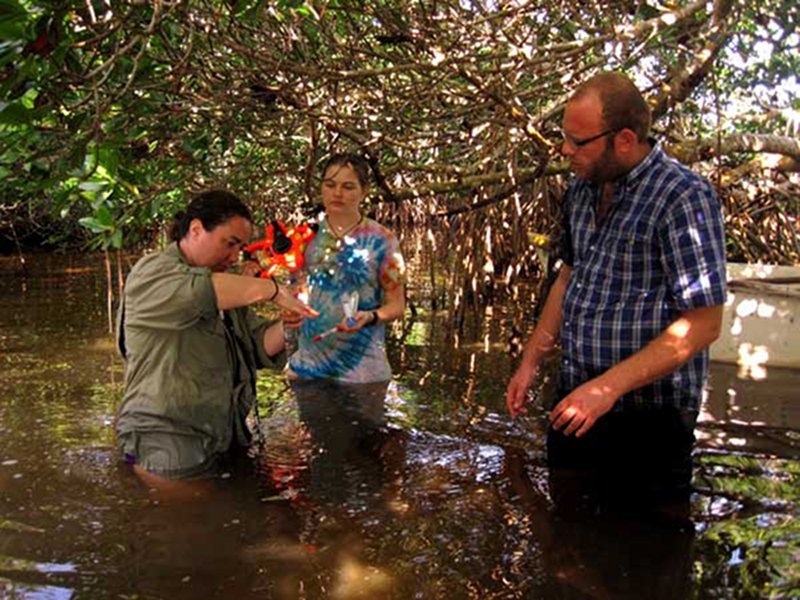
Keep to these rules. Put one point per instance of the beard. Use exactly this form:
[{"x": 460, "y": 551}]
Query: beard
[{"x": 607, "y": 168}]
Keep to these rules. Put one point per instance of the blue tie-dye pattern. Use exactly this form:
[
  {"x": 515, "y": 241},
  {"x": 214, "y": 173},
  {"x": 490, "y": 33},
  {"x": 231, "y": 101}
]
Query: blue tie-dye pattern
[{"x": 334, "y": 267}]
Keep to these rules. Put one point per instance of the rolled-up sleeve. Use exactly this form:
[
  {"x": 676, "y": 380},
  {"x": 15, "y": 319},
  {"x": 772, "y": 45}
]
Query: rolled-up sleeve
[{"x": 169, "y": 298}]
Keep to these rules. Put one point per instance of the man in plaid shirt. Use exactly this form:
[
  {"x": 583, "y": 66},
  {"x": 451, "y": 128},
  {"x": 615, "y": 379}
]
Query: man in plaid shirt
[{"x": 636, "y": 303}]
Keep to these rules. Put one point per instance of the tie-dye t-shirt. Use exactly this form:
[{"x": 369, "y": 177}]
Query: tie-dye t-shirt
[{"x": 366, "y": 261}]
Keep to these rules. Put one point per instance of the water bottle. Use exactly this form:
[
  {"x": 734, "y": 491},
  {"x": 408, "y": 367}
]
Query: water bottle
[{"x": 296, "y": 285}]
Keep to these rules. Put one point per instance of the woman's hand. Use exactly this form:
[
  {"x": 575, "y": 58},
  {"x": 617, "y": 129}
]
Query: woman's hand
[
  {"x": 250, "y": 268},
  {"x": 291, "y": 319},
  {"x": 362, "y": 319},
  {"x": 291, "y": 304}
]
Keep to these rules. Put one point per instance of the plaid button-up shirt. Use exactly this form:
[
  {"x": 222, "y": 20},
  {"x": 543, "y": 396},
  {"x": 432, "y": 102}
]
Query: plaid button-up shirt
[{"x": 659, "y": 251}]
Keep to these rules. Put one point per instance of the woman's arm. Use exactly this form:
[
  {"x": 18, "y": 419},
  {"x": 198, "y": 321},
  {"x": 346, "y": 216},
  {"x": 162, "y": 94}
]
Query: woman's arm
[
  {"x": 233, "y": 291},
  {"x": 274, "y": 339},
  {"x": 394, "y": 303}
]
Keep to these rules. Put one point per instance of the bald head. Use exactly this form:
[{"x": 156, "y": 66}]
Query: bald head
[{"x": 623, "y": 106}]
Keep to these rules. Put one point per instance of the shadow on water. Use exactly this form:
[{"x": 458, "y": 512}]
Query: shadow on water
[{"x": 439, "y": 495}]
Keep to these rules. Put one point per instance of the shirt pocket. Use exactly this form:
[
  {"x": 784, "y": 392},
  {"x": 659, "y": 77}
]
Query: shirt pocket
[{"x": 629, "y": 262}]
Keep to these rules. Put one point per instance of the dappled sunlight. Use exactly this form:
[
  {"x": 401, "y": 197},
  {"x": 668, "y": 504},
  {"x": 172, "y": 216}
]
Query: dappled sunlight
[
  {"x": 759, "y": 328},
  {"x": 757, "y": 271},
  {"x": 431, "y": 511},
  {"x": 680, "y": 329},
  {"x": 710, "y": 438},
  {"x": 357, "y": 580},
  {"x": 752, "y": 360},
  {"x": 398, "y": 506},
  {"x": 751, "y": 306},
  {"x": 694, "y": 235}
]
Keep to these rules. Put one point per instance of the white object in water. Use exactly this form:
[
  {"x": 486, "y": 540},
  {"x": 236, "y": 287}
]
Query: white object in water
[{"x": 759, "y": 327}]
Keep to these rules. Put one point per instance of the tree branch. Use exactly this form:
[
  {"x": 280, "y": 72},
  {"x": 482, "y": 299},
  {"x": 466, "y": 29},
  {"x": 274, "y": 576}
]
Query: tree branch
[{"x": 705, "y": 149}]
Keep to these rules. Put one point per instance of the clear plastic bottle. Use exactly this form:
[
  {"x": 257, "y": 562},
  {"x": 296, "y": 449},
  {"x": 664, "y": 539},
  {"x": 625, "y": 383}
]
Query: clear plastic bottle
[{"x": 297, "y": 284}]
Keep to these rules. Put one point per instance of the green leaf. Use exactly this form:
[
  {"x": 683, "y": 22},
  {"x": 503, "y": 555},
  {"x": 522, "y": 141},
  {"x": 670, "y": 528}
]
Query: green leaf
[
  {"x": 92, "y": 186},
  {"x": 104, "y": 216},
  {"x": 16, "y": 114},
  {"x": 108, "y": 158},
  {"x": 99, "y": 199},
  {"x": 93, "y": 225},
  {"x": 11, "y": 31},
  {"x": 13, "y": 18}
]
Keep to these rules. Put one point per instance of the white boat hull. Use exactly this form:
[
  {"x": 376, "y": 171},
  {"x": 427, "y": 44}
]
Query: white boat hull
[{"x": 760, "y": 323}]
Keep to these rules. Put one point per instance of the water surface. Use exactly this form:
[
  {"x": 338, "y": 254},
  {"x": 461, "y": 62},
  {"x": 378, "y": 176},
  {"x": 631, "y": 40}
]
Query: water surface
[{"x": 447, "y": 499}]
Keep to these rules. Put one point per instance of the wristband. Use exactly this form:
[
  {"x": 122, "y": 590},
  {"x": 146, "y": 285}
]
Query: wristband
[
  {"x": 375, "y": 318},
  {"x": 277, "y": 289}
]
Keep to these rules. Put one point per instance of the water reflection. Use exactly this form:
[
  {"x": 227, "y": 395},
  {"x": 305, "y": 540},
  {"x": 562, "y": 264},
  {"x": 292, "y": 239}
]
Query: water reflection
[
  {"x": 352, "y": 445},
  {"x": 186, "y": 549},
  {"x": 591, "y": 550},
  {"x": 330, "y": 454}
]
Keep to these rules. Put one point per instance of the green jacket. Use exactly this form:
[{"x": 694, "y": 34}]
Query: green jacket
[{"x": 190, "y": 369}]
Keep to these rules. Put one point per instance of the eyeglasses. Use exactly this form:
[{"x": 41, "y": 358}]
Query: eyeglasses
[{"x": 575, "y": 142}]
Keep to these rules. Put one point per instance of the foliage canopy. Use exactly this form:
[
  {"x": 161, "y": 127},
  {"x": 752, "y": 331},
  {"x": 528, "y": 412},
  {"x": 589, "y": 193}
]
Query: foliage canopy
[{"x": 111, "y": 111}]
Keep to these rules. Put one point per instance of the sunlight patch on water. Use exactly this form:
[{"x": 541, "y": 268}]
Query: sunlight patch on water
[
  {"x": 28, "y": 591},
  {"x": 357, "y": 580}
]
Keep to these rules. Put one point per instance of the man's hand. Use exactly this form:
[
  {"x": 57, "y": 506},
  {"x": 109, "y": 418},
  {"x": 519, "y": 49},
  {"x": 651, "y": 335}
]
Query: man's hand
[
  {"x": 517, "y": 390},
  {"x": 580, "y": 410}
]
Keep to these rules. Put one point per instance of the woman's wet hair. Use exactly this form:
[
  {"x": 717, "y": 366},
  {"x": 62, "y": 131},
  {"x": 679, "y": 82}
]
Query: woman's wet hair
[
  {"x": 212, "y": 208},
  {"x": 349, "y": 159}
]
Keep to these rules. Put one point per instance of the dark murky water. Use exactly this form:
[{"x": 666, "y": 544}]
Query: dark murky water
[{"x": 449, "y": 501}]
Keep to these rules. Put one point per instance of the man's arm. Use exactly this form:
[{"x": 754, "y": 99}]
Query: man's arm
[
  {"x": 686, "y": 336},
  {"x": 540, "y": 345}
]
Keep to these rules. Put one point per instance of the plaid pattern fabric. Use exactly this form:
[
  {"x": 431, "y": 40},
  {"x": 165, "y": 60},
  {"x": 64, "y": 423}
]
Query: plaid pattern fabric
[{"x": 659, "y": 252}]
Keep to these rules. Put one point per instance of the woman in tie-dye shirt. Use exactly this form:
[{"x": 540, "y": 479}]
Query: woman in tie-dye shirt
[{"x": 350, "y": 253}]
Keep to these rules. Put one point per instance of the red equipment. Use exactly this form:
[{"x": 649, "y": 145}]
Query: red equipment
[{"x": 281, "y": 247}]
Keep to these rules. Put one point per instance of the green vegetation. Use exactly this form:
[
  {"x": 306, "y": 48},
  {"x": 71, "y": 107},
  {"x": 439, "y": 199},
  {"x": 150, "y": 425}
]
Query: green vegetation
[{"x": 111, "y": 112}]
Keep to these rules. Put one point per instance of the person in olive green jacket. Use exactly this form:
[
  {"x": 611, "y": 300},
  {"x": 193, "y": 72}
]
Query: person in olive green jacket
[{"x": 191, "y": 345}]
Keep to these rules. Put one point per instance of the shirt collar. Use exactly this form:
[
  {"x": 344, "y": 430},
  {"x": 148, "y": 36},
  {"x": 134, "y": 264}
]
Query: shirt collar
[
  {"x": 173, "y": 250},
  {"x": 632, "y": 177}
]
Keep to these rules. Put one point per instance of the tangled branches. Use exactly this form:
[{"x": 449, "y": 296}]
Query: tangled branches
[{"x": 455, "y": 104}]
